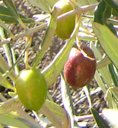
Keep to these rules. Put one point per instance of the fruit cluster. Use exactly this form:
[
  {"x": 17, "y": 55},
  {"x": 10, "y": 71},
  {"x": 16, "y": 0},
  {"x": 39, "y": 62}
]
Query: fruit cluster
[{"x": 80, "y": 67}]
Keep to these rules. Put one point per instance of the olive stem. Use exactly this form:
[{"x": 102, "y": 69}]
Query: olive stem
[
  {"x": 30, "y": 31},
  {"x": 86, "y": 90},
  {"x": 47, "y": 41},
  {"x": 27, "y": 45},
  {"x": 21, "y": 35},
  {"x": 78, "y": 10}
]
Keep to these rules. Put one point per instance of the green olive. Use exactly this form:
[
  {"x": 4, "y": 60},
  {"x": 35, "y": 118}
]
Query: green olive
[
  {"x": 66, "y": 24},
  {"x": 31, "y": 88}
]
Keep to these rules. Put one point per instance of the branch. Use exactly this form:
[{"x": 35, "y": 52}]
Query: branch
[
  {"x": 78, "y": 11},
  {"x": 26, "y": 33}
]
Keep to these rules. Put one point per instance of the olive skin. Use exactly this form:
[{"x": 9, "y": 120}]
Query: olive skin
[
  {"x": 66, "y": 24},
  {"x": 80, "y": 67},
  {"x": 31, "y": 89}
]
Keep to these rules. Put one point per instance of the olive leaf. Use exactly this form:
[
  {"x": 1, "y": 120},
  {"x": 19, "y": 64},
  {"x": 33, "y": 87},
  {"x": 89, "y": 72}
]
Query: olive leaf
[
  {"x": 113, "y": 4},
  {"x": 99, "y": 120},
  {"x": 102, "y": 12},
  {"x": 55, "y": 113},
  {"x": 114, "y": 73},
  {"x": 45, "y": 5},
  {"x": 108, "y": 41},
  {"x": 7, "y": 16},
  {"x": 11, "y": 7}
]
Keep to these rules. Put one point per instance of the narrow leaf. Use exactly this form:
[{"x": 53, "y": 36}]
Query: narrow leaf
[
  {"x": 102, "y": 13},
  {"x": 108, "y": 41},
  {"x": 114, "y": 74},
  {"x": 113, "y": 4},
  {"x": 55, "y": 114},
  {"x": 52, "y": 71},
  {"x": 7, "y": 16},
  {"x": 12, "y": 120},
  {"x": 99, "y": 120},
  {"x": 11, "y": 7},
  {"x": 45, "y": 5},
  {"x": 67, "y": 101}
]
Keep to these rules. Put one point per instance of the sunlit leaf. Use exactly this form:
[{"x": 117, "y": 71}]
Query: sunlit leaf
[
  {"x": 56, "y": 114},
  {"x": 67, "y": 101},
  {"x": 11, "y": 7},
  {"x": 114, "y": 91},
  {"x": 108, "y": 41},
  {"x": 114, "y": 74},
  {"x": 102, "y": 12},
  {"x": 12, "y": 120},
  {"x": 113, "y": 4},
  {"x": 99, "y": 120},
  {"x": 111, "y": 99},
  {"x": 7, "y": 16},
  {"x": 45, "y": 5}
]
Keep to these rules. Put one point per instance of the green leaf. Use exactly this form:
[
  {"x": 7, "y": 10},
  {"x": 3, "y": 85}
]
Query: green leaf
[
  {"x": 114, "y": 91},
  {"x": 55, "y": 113},
  {"x": 113, "y": 4},
  {"x": 16, "y": 115},
  {"x": 4, "y": 10},
  {"x": 67, "y": 101},
  {"x": 52, "y": 71},
  {"x": 11, "y": 7},
  {"x": 8, "y": 19},
  {"x": 102, "y": 75},
  {"x": 26, "y": 19},
  {"x": 108, "y": 41},
  {"x": 99, "y": 120},
  {"x": 12, "y": 120},
  {"x": 111, "y": 98},
  {"x": 45, "y": 5},
  {"x": 112, "y": 28},
  {"x": 55, "y": 67},
  {"x": 102, "y": 12},
  {"x": 100, "y": 82},
  {"x": 114, "y": 74},
  {"x": 106, "y": 76},
  {"x": 47, "y": 40},
  {"x": 4, "y": 67},
  {"x": 7, "y": 16},
  {"x": 5, "y": 83},
  {"x": 85, "y": 2}
]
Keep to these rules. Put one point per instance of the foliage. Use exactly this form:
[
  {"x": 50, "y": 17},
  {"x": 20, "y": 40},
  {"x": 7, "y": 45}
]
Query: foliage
[{"x": 102, "y": 17}]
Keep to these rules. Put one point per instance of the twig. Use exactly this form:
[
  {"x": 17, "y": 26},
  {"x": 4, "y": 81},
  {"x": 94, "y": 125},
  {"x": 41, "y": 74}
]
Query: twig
[
  {"x": 27, "y": 32},
  {"x": 81, "y": 118},
  {"x": 79, "y": 10}
]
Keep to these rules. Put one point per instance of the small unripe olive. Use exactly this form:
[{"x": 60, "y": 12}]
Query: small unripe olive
[
  {"x": 31, "y": 88},
  {"x": 66, "y": 24}
]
